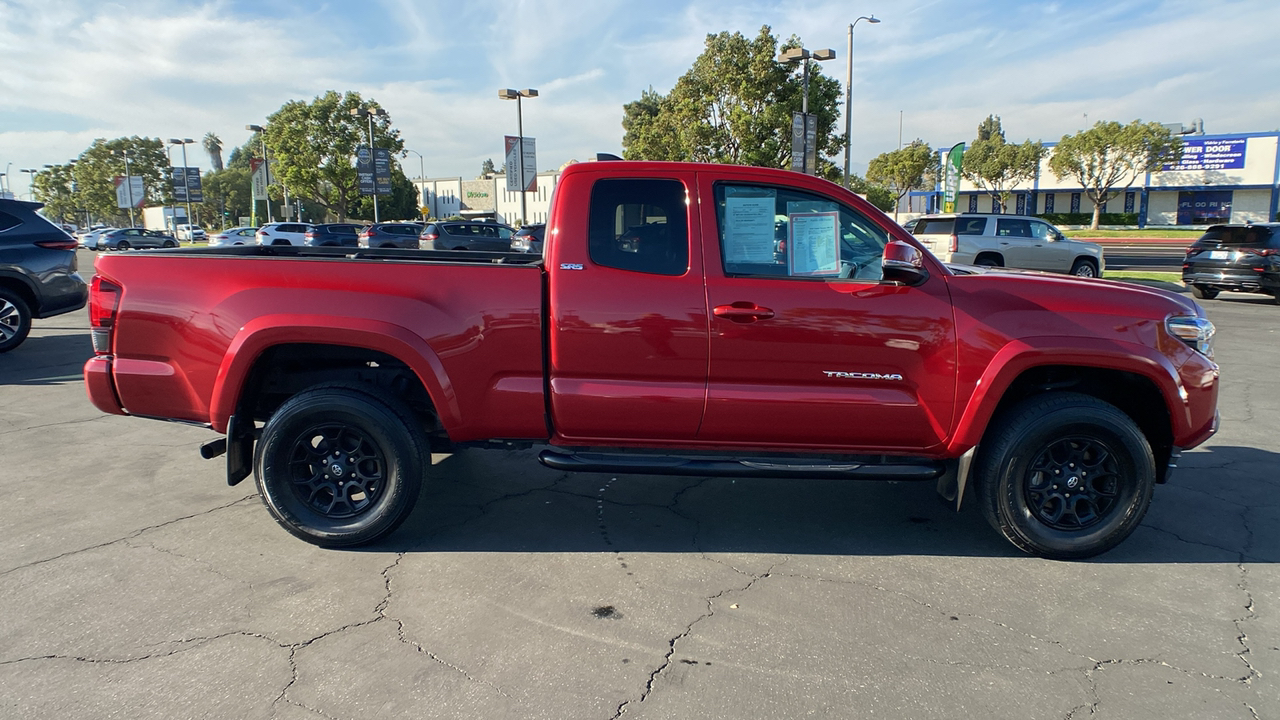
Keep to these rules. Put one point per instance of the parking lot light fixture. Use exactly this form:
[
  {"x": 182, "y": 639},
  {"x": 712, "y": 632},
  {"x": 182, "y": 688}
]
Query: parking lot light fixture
[
  {"x": 804, "y": 56},
  {"x": 422, "y": 175},
  {"x": 184, "y": 142},
  {"x": 511, "y": 94},
  {"x": 848, "y": 95},
  {"x": 370, "y": 114},
  {"x": 266, "y": 162}
]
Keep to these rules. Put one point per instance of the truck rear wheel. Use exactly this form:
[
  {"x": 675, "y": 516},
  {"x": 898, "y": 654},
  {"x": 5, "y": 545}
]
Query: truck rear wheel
[
  {"x": 1065, "y": 475},
  {"x": 339, "y": 466}
]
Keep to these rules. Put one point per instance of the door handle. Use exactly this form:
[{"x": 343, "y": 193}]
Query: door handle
[{"x": 742, "y": 312}]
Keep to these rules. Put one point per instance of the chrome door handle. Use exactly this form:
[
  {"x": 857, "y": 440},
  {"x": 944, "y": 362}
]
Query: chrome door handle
[{"x": 742, "y": 312}]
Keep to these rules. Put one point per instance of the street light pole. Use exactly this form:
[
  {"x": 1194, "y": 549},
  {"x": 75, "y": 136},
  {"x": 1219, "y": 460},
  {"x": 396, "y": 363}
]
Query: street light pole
[
  {"x": 422, "y": 175},
  {"x": 266, "y": 163},
  {"x": 186, "y": 185},
  {"x": 803, "y": 56},
  {"x": 128, "y": 184},
  {"x": 509, "y": 94},
  {"x": 848, "y": 97},
  {"x": 370, "y": 113}
]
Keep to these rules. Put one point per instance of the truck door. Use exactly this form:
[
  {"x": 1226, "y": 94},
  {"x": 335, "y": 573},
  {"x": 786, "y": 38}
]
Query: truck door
[
  {"x": 628, "y": 317},
  {"x": 809, "y": 348}
]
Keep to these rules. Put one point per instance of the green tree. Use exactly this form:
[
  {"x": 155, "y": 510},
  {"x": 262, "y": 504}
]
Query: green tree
[
  {"x": 212, "y": 144},
  {"x": 401, "y": 204},
  {"x": 486, "y": 169},
  {"x": 1107, "y": 158},
  {"x": 313, "y": 145},
  {"x": 226, "y": 195},
  {"x": 877, "y": 195},
  {"x": 995, "y": 166},
  {"x": 98, "y": 165},
  {"x": 914, "y": 167},
  {"x": 734, "y": 106},
  {"x": 55, "y": 187}
]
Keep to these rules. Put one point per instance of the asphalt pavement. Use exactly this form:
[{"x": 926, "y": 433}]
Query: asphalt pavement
[{"x": 135, "y": 584}]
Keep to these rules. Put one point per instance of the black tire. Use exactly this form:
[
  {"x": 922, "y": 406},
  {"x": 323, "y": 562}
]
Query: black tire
[
  {"x": 361, "y": 493},
  {"x": 123, "y": 245},
  {"x": 1026, "y": 472},
  {"x": 1084, "y": 267},
  {"x": 170, "y": 244},
  {"x": 1204, "y": 292},
  {"x": 15, "y": 319},
  {"x": 281, "y": 242}
]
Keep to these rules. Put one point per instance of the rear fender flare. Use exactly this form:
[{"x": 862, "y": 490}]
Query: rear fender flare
[
  {"x": 1019, "y": 356},
  {"x": 263, "y": 333}
]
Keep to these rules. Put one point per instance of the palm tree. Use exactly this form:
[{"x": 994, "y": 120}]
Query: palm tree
[{"x": 213, "y": 145}]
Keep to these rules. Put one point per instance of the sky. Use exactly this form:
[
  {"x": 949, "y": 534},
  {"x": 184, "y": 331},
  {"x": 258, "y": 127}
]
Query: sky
[{"x": 75, "y": 70}]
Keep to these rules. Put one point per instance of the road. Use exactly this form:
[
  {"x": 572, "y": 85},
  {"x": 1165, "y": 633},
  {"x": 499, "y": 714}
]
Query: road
[
  {"x": 136, "y": 584},
  {"x": 1162, "y": 255}
]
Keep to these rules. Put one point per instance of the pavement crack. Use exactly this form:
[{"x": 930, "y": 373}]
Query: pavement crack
[
  {"x": 177, "y": 646},
  {"x": 404, "y": 638},
  {"x": 1250, "y": 614},
  {"x": 1179, "y": 538},
  {"x": 130, "y": 536}
]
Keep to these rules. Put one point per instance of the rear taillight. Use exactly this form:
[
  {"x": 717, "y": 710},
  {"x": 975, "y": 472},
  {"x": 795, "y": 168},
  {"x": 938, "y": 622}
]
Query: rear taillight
[
  {"x": 104, "y": 301},
  {"x": 430, "y": 237},
  {"x": 310, "y": 234},
  {"x": 955, "y": 243},
  {"x": 67, "y": 244},
  {"x": 366, "y": 234}
]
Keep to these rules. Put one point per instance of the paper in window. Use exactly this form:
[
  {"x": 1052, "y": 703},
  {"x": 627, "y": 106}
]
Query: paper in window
[
  {"x": 813, "y": 245},
  {"x": 748, "y": 224}
]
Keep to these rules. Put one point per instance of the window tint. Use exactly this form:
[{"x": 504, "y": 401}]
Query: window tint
[
  {"x": 8, "y": 221},
  {"x": 935, "y": 227},
  {"x": 639, "y": 225},
  {"x": 784, "y": 232},
  {"x": 1236, "y": 236},
  {"x": 971, "y": 226},
  {"x": 1013, "y": 228}
]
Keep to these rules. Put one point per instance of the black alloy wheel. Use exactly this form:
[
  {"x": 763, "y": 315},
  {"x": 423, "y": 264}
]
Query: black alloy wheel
[
  {"x": 170, "y": 244},
  {"x": 15, "y": 320},
  {"x": 341, "y": 465},
  {"x": 1064, "y": 475},
  {"x": 123, "y": 245}
]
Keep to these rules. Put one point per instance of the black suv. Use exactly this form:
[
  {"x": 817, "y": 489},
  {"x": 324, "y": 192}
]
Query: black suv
[
  {"x": 396, "y": 235},
  {"x": 344, "y": 234},
  {"x": 464, "y": 235},
  {"x": 1244, "y": 258},
  {"x": 38, "y": 277}
]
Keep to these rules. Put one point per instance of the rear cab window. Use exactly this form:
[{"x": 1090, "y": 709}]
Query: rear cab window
[{"x": 639, "y": 225}]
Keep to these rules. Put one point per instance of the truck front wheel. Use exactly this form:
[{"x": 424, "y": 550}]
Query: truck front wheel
[
  {"x": 340, "y": 466},
  {"x": 1065, "y": 476}
]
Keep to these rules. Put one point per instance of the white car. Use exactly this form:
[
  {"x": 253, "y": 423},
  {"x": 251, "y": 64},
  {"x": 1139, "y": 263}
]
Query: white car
[
  {"x": 89, "y": 240},
  {"x": 234, "y": 236},
  {"x": 190, "y": 233},
  {"x": 283, "y": 233}
]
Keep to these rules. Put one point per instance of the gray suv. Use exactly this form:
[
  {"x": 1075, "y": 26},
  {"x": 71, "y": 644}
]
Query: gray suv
[
  {"x": 1016, "y": 241},
  {"x": 38, "y": 277}
]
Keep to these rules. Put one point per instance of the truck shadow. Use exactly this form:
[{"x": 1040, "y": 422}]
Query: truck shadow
[
  {"x": 1213, "y": 510},
  {"x": 47, "y": 358}
]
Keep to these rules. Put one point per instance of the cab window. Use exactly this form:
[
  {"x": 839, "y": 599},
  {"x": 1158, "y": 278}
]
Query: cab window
[
  {"x": 639, "y": 225},
  {"x": 789, "y": 233}
]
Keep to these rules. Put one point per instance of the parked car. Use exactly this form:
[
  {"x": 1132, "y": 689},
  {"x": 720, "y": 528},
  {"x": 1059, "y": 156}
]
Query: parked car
[
  {"x": 400, "y": 235},
  {"x": 190, "y": 233},
  {"x": 467, "y": 235},
  {"x": 1243, "y": 258},
  {"x": 330, "y": 234},
  {"x": 283, "y": 233},
  {"x": 1016, "y": 241},
  {"x": 136, "y": 237},
  {"x": 38, "y": 277},
  {"x": 89, "y": 240},
  {"x": 234, "y": 236},
  {"x": 528, "y": 239}
]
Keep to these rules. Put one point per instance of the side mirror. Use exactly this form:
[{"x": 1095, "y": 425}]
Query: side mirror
[{"x": 904, "y": 263}]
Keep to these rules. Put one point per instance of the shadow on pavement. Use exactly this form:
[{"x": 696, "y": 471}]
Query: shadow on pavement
[
  {"x": 46, "y": 359},
  {"x": 490, "y": 501}
]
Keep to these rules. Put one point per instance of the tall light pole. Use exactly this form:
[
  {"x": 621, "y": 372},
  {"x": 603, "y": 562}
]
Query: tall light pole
[
  {"x": 186, "y": 184},
  {"x": 370, "y": 114},
  {"x": 3, "y": 189},
  {"x": 848, "y": 96},
  {"x": 422, "y": 175},
  {"x": 804, "y": 56},
  {"x": 509, "y": 94},
  {"x": 262, "y": 137},
  {"x": 31, "y": 181}
]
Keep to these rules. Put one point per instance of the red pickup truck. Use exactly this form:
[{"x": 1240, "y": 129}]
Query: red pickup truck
[{"x": 683, "y": 319}]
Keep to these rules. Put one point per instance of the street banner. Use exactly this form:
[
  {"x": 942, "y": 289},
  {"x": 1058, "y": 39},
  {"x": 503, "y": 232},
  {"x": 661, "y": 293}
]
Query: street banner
[
  {"x": 382, "y": 171},
  {"x": 797, "y": 142},
  {"x": 513, "y": 166},
  {"x": 130, "y": 194},
  {"x": 364, "y": 171},
  {"x": 951, "y": 177},
  {"x": 186, "y": 185},
  {"x": 195, "y": 191},
  {"x": 260, "y": 178},
  {"x": 811, "y": 144}
]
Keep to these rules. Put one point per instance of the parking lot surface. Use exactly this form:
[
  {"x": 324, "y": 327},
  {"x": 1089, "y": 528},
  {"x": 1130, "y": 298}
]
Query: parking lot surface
[{"x": 134, "y": 583}]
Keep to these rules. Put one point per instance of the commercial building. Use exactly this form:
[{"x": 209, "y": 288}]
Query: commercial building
[
  {"x": 486, "y": 198},
  {"x": 1221, "y": 178}
]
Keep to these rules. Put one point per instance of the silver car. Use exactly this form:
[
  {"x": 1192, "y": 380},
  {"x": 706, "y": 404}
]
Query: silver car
[
  {"x": 130, "y": 238},
  {"x": 1016, "y": 241}
]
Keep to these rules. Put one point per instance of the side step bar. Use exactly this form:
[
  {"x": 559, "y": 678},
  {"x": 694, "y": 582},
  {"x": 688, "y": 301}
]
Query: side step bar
[{"x": 730, "y": 467}]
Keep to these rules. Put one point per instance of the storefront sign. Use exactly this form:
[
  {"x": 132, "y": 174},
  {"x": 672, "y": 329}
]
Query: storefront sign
[
  {"x": 1207, "y": 154},
  {"x": 1204, "y": 206}
]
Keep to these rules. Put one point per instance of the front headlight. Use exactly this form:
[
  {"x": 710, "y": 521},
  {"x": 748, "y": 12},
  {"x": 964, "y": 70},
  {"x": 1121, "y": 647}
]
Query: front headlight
[{"x": 1196, "y": 332}]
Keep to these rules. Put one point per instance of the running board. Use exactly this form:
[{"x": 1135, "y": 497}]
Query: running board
[{"x": 744, "y": 468}]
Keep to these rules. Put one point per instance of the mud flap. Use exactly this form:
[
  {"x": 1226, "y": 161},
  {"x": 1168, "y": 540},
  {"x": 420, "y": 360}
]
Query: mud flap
[
  {"x": 239, "y": 450},
  {"x": 952, "y": 483}
]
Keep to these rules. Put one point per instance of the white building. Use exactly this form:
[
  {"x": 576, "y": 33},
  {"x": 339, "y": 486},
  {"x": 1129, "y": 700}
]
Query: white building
[{"x": 486, "y": 198}]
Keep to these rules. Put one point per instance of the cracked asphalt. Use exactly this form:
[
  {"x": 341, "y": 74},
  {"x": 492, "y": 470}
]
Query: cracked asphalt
[{"x": 135, "y": 584}]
